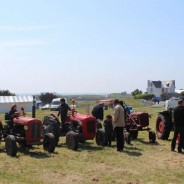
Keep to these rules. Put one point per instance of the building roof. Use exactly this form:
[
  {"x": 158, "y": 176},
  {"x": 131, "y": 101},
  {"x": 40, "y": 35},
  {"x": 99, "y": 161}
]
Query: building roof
[
  {"x": 166, "y": 84},
  {"x": 157, "y": 84},
  {"x": 16, "y": 99}
]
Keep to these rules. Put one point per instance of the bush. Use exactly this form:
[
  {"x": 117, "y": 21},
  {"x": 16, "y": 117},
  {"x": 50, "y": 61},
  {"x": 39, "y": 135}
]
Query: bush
[{"x": 144, "y": 96}]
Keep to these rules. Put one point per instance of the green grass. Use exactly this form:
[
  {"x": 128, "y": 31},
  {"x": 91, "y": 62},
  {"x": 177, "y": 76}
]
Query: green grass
[{"x": 139, "y": 163}]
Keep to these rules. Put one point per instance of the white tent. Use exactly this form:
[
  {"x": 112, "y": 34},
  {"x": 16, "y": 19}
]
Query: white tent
[{"x": 23, "y": 100}]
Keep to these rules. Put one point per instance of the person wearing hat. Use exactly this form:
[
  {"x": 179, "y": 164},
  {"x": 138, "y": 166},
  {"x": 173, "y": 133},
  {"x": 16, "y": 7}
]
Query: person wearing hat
[
  {"x": 119, "y": 124},
  {"x": 179, "y": 126}
]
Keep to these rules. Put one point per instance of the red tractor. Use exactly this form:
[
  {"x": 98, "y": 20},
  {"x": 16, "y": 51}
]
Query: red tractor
[
  {"x": 77, "y": 128},
  {"x": 135, "y": 122},
  {"x": 26, "y": 131}
]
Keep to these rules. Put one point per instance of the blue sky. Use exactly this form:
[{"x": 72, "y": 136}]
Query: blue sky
[{"x": 90, "y": 46}]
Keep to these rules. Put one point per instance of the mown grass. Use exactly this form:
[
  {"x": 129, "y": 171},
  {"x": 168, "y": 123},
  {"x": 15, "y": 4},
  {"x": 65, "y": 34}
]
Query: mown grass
[{"x": 139, "y": 163}]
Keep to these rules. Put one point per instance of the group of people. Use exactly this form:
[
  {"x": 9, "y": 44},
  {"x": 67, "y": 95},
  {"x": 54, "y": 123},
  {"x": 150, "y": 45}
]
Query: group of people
[
  {"x": 114, "y": 123},
  {"x": 14, "y": 112}
]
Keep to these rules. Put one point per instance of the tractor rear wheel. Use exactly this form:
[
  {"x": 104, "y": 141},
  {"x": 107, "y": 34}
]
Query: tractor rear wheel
[
  {"x": 11, "y": 146},
  {"x": 49, "y": 142},
  {"x": 101, "y": 138},
  {"x": 152, "y": 137},
  {"x": 72, "y": 140},
  {"x": 162, "y": 127}
]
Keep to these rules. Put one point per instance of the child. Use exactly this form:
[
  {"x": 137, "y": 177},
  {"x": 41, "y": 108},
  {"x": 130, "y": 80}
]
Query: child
[{"x": 108, "y": 129}]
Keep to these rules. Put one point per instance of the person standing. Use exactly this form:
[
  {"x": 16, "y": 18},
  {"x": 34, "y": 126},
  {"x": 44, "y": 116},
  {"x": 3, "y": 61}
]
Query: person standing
[
  {"x": 108, "y": 129},
  {"x": 13, "y": 110},
  {"x": 98, "y": 111},
  {"x": 179, "y": 126},
  {"x": 63, "y": 111},
  {"x": 119, "y": 124}
]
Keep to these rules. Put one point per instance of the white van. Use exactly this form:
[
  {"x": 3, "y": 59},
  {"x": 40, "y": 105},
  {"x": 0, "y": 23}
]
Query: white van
[
  {"x": 56, "y": 103},
  {"x": 171, "y": 104}
]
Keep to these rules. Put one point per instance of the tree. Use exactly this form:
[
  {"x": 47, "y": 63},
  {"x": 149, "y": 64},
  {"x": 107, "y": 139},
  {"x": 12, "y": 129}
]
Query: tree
[
  {"x": 6, "y": 93},
  {"x": 136, "y": 92},
  {"x": 47, "y": 98},
  {"x": 124, "y": 93}
]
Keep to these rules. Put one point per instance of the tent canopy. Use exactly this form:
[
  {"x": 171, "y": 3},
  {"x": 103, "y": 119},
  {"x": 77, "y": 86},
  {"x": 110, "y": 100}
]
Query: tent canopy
[{"x": 7, "y": 101}]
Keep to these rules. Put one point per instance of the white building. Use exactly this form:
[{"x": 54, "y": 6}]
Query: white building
[
  {"x": 7, "y": 101},
  {"x": 159, "y": 87}
]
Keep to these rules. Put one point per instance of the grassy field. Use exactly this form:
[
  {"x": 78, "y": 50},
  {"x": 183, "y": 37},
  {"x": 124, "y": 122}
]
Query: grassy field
[{"x": 139, "y": 163}]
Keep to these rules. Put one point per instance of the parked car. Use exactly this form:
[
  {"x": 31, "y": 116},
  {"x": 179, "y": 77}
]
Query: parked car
[
  {"x": 55, "y": 104},
  {"x": 45, "y": 107}
]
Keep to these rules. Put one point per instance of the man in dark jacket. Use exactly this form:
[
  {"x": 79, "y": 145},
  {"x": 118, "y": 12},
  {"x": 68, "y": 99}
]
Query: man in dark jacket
[
  {"x": 108, "y": 129},
  {"x": 179, "y": 126},
  {"x": 63, "y": 111},
  {"x": 98, "y": 111}
]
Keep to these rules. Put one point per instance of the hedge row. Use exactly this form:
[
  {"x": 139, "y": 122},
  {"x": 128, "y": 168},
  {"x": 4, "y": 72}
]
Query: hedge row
[{"x": 144, "y": 96}]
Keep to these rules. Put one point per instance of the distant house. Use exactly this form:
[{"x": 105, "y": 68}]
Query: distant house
[
  {"x": 159, "y": 87},
  {"x": 23, "y": 100}
]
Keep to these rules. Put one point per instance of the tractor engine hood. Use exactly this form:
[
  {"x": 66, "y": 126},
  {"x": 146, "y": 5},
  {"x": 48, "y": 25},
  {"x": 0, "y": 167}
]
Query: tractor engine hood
[
  {"x": 81, "y": 117},
  {"x": 21, "y": 120}
]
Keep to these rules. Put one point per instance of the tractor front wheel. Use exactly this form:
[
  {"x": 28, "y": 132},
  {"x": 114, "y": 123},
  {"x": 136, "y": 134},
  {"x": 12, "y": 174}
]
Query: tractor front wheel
[
  {"x": 11, "y": 146},
  {"x": 72, "y": 140},
  {"x": 49, "y": 142},
  {"x": 127, "y": 137},
  {"x": 152, "y": 137},
  {"x": 101, "y": 138}
]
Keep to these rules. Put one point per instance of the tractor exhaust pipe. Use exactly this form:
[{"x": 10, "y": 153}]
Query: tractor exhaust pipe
[{"x": 34, "y": 107}]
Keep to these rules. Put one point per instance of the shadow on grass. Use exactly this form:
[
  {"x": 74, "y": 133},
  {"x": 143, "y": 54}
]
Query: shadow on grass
[
  {"x": 84, "y": 146},
  {"x": 147, "y": 142},
  {"x": 33, "y": 152},
  {"x": 130, "y": 150},
  {"x": 132, "y": 153},
  {"x": 89, "y": 147}
]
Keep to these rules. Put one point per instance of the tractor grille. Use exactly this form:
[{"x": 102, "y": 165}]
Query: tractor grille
[
  {"x": 144, "y": 119},
  {"x": 91, "y": 126},
  {"x": 36, "y": 130}
]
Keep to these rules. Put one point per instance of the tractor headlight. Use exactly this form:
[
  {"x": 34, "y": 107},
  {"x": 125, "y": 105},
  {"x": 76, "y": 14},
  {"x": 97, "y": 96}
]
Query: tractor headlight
[{"x": 25, "y": 128}]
